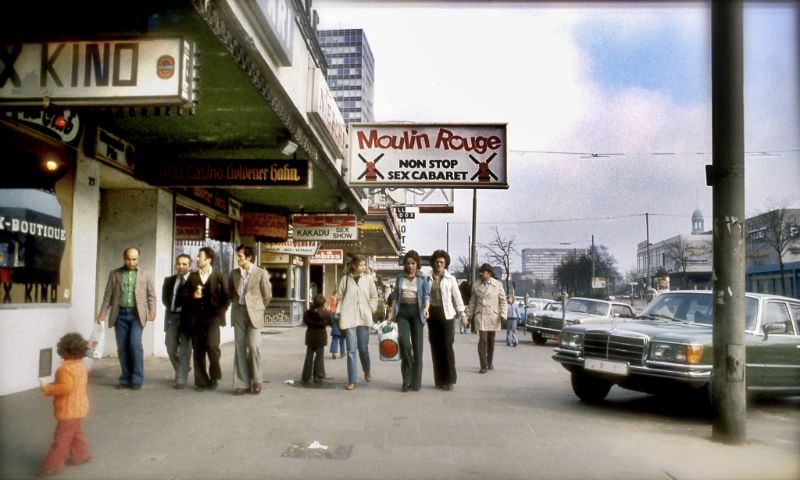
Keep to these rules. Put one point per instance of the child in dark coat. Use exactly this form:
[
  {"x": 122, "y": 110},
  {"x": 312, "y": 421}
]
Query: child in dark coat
[{"x": 316, "y": 319}]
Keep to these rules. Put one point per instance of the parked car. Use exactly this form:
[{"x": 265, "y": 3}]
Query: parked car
[
  {"x": 538, "y": 303},
  {"x": 547, "y": 325},
  {"x": 669, "y": 346}
]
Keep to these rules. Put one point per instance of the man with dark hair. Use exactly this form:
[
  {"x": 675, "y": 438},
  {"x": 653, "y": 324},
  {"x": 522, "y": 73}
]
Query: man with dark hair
[
  {"x": 205, "y": 300},
  {"x": 131, "y": 300},
  {"x": 177, "y": 337},
  {"x": 250, "y": 292}
]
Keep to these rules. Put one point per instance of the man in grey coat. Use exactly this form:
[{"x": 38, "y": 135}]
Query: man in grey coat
[
  {"x": 131, "y": 300},
  {"x": 250, "y": 292}
]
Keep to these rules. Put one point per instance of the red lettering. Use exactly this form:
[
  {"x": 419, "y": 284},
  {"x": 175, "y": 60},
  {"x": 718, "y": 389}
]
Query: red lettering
[{"x": 478, "y": 144}]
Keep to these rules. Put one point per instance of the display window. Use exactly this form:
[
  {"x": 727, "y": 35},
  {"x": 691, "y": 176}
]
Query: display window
[{"x": 35, "y": 243}]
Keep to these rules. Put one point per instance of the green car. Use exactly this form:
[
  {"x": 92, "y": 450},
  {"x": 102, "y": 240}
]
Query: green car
[{"x": 668, "y": 346}]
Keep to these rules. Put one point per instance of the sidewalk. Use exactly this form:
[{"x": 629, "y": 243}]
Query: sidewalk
[{"x": 518, "y": 421}]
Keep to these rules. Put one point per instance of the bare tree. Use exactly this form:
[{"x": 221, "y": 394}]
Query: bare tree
[
  {"x": 500, "y": 250},
  {"x": 773, "y": 229},
  {"x": 680, "y": 253}
]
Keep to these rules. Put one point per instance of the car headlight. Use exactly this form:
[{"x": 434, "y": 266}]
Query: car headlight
[
  {"x": 571, "y": 340},
  {"x": 677, "y": 353}
]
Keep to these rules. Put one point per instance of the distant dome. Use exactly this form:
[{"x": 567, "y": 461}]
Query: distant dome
[{"x": 697, "y": 222}]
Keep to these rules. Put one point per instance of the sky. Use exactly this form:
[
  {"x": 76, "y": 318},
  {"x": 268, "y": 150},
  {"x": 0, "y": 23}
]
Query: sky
[{"x": 630, "y": 79}]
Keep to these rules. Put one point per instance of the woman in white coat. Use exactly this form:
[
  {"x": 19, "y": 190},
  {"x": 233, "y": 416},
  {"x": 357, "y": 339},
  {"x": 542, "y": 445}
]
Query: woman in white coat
[
  {"x": 446, "y": 306},
  {"x": 356, "y": 299}
]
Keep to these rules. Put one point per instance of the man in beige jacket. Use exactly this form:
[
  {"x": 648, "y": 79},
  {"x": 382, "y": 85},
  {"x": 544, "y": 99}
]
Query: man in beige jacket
[
  {"x": 487, "y": 309},
  {"x": 131, "y": 300},
  {"x": 250, "y": 292}
]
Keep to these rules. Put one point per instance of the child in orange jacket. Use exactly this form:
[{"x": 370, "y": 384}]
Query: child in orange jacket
[{"x": 70, "y": 404}]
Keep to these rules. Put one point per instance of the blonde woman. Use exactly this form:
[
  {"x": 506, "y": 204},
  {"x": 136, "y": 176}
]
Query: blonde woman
[{"x": 356, "y": 299}]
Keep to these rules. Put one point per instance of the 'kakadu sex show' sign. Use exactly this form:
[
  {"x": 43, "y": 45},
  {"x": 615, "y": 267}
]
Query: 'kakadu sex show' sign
[{"x": 433, "y": 155}]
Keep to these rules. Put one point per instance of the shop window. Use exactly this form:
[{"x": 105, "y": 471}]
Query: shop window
[{"x": 35, "y": 244}]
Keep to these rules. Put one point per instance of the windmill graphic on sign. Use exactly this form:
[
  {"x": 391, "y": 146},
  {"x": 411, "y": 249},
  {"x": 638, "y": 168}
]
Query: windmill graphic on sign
[
  {"x": 484, "y": 174},
  {"x": 371, "y": 172}
]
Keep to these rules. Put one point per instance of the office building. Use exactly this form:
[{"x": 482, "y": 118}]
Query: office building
[
  {"x": 351, "y": 72},
  {"x": 542, "y": 262}
]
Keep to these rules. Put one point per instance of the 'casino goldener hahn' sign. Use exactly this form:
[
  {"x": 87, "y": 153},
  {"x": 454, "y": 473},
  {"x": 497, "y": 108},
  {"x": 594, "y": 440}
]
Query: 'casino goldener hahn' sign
[{"x": 433, "y": 155}]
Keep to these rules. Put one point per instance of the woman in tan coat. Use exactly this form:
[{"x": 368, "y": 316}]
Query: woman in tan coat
[
  {"x": 356, "y": 299},
  {"x": 487, "y": 309}
]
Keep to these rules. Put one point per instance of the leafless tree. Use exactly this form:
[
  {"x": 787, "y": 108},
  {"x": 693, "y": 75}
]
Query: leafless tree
[
  {"x": 500, "y": 251},
  {"x": 679, "y": 253},
  {"x": 772, "y": 228}
]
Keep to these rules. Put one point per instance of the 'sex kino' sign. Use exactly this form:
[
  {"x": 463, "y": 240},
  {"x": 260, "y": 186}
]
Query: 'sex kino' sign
[
  {"x": 432, "y": 155},
  {"x": 152, "y": 72}
]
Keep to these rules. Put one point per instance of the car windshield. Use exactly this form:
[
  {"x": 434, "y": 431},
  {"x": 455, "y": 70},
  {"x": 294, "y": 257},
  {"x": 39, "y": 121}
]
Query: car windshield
[
  {"x": 692, "y": 308},
  {"x": 580, "y": 305}
]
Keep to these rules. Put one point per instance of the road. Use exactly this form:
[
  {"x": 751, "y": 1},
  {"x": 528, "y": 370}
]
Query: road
[{"x": 519, "y": 421}]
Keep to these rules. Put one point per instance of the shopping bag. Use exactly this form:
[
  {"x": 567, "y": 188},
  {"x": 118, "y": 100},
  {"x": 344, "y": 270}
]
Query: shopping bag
[
  {"x": 388, "y": 345},
  {"x": 97, "y": 341}
]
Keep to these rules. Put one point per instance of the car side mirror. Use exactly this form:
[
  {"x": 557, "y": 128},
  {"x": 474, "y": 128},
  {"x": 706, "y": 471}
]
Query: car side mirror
[{"x": 774, "y": 328}]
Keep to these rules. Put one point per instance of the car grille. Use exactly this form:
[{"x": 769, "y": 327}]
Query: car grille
[
  {"x": 614, "y": 347},
  {"x": 550, "y": 322}
]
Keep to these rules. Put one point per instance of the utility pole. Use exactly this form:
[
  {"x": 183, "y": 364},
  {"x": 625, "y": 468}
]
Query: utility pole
[
  {"x": 726, "y": 176},
  {"x": 474, "y": 250},
  {"x": 647, "y": 248},
  {"x": 447, "y": 233}
]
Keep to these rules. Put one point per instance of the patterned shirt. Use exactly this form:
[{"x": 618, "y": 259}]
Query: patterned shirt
[{"x": 128, "y": 298}]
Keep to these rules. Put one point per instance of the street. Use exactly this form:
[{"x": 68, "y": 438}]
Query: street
[{"x": 520, "y": 420}]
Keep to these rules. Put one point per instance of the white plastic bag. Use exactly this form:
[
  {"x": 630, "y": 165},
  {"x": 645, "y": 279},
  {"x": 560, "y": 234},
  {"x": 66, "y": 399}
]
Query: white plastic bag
[
  {"x": 97, "y": 341},
  {"x": 388, "y": 344}
]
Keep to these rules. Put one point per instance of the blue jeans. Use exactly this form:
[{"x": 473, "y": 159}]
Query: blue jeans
[
  {"x": 357, "y": 341},
  {"x": 511, "y": 332},
  {"x": 128, "y": 332},
  {"x": 337, "y": 337}
]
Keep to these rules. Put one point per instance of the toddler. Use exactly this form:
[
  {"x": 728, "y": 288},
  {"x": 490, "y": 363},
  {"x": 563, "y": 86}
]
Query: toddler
[{"x": 70, "y": 404}]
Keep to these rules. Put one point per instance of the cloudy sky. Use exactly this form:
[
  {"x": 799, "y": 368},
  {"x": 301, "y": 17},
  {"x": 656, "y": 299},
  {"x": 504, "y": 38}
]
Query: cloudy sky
[{"x": 630, "y": 79}]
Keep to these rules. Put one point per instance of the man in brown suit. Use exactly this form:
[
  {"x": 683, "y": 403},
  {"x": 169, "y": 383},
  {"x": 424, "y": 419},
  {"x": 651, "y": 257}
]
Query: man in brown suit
[
  {"x": 205, "y": 301},
  {"x": 131, "y": 299}
]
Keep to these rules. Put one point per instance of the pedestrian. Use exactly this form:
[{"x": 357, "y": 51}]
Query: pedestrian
[
  {"x": 205, "y": 299},
  {"x": 316, "y": 319},
  {"x": 177, "y": 338},
  {"x": 446, "y": 306},
  {"x": 356, "y": 299},
  {"x": 511, "y": 322},
  {"x": 70, "y": 406},
  {"x": 465, "y": 287},
  {"x": 250, "y": 292},
  {"x": 337, "y": 337},
  {"x": 130, "y": 301},
  {"x": 409, "y": 306},
  {"x": 487, "y": 309}
]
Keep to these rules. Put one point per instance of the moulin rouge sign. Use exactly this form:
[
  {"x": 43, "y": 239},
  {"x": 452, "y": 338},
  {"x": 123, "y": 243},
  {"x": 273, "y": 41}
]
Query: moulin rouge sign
[{"x": 433, "y": 155}]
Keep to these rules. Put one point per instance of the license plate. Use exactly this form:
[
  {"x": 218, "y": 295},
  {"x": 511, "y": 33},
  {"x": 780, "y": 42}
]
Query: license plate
[
  {"x": 607, "y": 366},
  {"x": 551, "y": 336}
]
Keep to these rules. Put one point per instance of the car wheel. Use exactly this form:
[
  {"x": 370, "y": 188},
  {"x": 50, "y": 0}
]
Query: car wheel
[
  {"x": 588, "y": 388},
  {"x": 538, "y": 339}
]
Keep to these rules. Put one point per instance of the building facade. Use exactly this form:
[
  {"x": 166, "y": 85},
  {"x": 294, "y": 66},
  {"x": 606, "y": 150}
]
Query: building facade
[
  {"x": 541, "y": 263},
  {"x": 351, "y": 72},
  {"x": 168, "y": 127},
  {"x": 688, "y": 259}
]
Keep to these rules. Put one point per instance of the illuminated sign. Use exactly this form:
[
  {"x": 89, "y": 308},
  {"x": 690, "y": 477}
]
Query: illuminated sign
[
  {"x": 325, "y": 227},
  {"x": 440, "y": 156},
  {"x": 184, "y": 172},
  {"x": 153, "y": 72}
]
